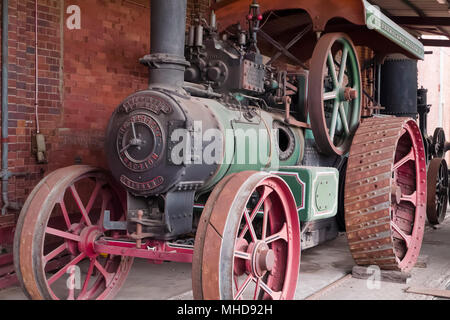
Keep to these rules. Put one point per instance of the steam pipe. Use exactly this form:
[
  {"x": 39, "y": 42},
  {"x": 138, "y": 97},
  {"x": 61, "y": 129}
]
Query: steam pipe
[
  {"x": 167, "y": 61},
  {"x": 5, "y": 171}
]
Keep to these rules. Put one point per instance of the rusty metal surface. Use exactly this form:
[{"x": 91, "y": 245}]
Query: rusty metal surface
[
  {"x": 321, "y": 11},
  {"x": 385, "y": 199},
  {"x": 437, "y": 196},
  {"x": 324, "y": 15},
  {"x": 205, "y": 277},
  {"x": 197, "y": 260}
]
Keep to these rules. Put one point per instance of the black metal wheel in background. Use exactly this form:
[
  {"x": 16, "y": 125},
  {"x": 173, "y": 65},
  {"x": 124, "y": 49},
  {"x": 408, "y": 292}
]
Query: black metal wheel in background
[
  {"x": 438, "y": 191},
  {"x": 439, "y": 139}
]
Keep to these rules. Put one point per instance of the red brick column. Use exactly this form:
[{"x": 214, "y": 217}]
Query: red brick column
[{"x": 83, "y": 75}]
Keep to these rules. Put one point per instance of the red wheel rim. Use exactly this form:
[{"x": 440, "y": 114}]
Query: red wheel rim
[
  {"x": 57, "y": 233},
  {"x": 385, "y": 193},
  {"x": 259, "y": 244},
  {"x": 408, "y": 196}
]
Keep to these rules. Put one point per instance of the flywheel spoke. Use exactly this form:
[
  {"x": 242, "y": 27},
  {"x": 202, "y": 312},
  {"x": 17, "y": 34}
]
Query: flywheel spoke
[
  {"x": 343, "y": 65},
  {"x": 344, "y": 119},
  {"x": 332, "y": 70},
  {"x": 330, "y": 95},
  {"x": 334, "y": 116}
]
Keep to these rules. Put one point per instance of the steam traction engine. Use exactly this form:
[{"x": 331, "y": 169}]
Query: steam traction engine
[{"x": 235, "y": 158}]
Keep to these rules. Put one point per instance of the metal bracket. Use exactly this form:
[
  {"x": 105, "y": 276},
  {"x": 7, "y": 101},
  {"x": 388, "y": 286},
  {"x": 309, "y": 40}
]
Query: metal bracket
[
  {"x": 113, "y": 225},
  {"x": 178, "y": 212}
]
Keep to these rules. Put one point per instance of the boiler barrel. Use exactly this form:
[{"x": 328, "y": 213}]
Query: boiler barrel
[{"x": 399, "y": 86}]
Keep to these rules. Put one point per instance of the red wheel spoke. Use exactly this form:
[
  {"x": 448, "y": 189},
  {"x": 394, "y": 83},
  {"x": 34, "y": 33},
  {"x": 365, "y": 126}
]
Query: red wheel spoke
[
  {"x": 54, "y": 253},
  {"x": 86, "y": 281},
  {"x": 80, "y": 205},
  {"x": 405, "y": 159},
  {"x": 242, "y": 255},
  {"x": 402, "y": 234},
  {"x": 250, "y": 226},
  {"x": 266, "y": 192},
  {"x": 94, "y": 195},
  {"x": 58, "y": 275},
  {"x": 236, "y": 284},
  {"x": 62, "y": 234},
  {"x": 65, "y": 214},
  {"x": 282, "y": 235},
  {"x": 243, "y": 287},
  {"x": 257, "y": 289},
  {"x": 102, "y": 270},
  {"x": 410, "y": 198},
  {"x": 275, "y": 295},
  {"x": 267, "y": 207},
  {"x": 105, "y": 202}
]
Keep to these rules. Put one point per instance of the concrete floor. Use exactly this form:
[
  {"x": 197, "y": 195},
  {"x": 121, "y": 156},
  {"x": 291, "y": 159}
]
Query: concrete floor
[{"x": 320, "y": 267}]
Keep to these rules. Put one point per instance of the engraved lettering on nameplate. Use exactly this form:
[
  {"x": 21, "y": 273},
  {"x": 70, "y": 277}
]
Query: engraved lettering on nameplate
[
  {"x": 142, "y": 186},
  {"x": 147, "y": 102}
]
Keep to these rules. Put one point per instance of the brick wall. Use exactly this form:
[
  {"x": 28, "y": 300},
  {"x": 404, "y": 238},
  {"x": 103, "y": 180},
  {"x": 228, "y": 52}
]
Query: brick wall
[
  {"x": 101, "y": 68},
  {"x": 21, "y": 86},
  {"x": 83, "y": 76}
]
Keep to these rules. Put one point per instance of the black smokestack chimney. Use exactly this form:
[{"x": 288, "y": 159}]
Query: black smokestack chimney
[{"x": 167, "y": 61}]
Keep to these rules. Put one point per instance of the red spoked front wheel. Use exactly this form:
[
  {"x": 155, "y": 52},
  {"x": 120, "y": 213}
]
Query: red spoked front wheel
[
  {"x": 248, "y": 241},
  {"x": 54, "y": 242}
]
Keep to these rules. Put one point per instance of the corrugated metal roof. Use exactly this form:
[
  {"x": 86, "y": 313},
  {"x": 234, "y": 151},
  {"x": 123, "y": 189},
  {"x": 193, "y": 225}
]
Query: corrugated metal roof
[
  {"x": 431, "y": 8},
  {"x": 419, "y": 9}
]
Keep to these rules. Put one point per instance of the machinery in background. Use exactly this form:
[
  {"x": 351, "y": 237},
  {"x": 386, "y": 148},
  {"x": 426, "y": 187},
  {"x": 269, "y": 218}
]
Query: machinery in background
[{"x": 437, "y": 176}]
